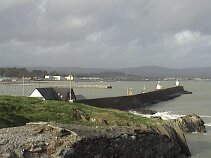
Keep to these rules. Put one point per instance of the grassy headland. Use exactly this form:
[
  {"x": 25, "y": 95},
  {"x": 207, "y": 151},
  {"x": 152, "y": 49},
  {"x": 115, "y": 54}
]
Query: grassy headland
[{"x": 15, "y": 111}]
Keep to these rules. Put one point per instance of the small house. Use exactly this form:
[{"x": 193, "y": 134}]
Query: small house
[{"x": 60, "y": 94}]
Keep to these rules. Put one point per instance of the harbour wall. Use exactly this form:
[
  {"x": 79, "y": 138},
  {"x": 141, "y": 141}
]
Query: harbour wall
[{"x": 135, "y": 101}]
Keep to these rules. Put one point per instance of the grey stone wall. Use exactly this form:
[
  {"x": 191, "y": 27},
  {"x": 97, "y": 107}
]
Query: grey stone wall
[{"x": 135, "y": 101}]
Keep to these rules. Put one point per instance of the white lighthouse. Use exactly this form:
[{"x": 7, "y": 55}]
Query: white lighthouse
[
  {"x": 158, "y": 86},
  {"x": 177, "y": 83}
]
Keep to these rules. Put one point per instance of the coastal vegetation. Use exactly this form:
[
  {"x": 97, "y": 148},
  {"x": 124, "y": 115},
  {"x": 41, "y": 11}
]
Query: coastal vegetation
[
  {"x": 79, "y": 130},
  {"x": 15, "y": 111},
  {"x": 94, "y": 129}
]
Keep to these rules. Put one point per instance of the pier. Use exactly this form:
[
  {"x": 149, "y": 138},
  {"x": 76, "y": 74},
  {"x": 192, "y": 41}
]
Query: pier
[
  {"x": 136, "y": 101},
  {"x": 93, "y": 86}
]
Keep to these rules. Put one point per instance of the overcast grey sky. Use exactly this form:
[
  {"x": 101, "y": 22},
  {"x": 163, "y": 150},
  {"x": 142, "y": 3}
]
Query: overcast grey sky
[{"x": 105, "y": 33}]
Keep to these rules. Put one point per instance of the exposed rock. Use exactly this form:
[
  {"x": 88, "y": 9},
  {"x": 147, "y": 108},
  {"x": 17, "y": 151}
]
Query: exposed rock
[
  {"x": 69, "y": 141},
  {"x": 80, "y": 115},
  {"x": 191, "y": 123},
  {"x": 176, "y": 134},
  {"x": 194, "y": 123},
  {"x": 3, "y": 142},
  {"x": 63, "y": 132},
  {"x": 156, "y": 118},
  {"x": 121, "y": 146},
  {"x": 12, "y": 154},
  {"x": 144, "y": 111},
  {"x": 139, "y": 143}
]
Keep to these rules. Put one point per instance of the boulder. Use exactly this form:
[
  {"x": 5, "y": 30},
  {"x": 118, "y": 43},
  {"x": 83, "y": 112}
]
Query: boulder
[
  {"x": 191, "y": 123},
  {"x": 144, "y": 111},
  {"x": 80, "y": 115}
]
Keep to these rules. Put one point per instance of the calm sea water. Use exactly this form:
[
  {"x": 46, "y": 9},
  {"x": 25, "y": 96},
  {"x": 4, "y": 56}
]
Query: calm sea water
[{"x": 199, "y": 103}]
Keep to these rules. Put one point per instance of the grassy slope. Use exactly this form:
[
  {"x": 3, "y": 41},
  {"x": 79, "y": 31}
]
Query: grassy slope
[{"x": 16, "y": 111}]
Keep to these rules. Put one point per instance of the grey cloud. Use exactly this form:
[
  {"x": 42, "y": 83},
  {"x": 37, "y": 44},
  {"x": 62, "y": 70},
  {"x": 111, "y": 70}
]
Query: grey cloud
[{"x": 105, "y": 33}]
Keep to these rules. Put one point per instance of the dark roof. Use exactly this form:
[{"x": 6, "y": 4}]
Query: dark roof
[
  {"x": 47, "y": 93},
  {"x": 64, "y": 93},
  {"x": 57, "y": 93}
]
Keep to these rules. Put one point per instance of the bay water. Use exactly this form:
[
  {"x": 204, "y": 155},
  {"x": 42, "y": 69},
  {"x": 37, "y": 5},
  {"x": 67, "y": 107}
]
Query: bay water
[{"x": 197, "y": 103}]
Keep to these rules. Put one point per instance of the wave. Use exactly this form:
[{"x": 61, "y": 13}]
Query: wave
[
  {"x": 195, "y": 132},
  {"x": 205, "y": 116},
  {"x": 166, "y": 115},
  {"x": 208, "y": 124}
]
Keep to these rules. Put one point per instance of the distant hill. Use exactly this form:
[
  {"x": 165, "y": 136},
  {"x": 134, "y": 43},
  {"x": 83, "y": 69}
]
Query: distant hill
[
  {"x": 154, "y": 71},
  {"x": 146, "y": 71}
]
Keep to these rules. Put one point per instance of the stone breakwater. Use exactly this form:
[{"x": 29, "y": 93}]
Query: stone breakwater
[{"x": 71, "y": 141}]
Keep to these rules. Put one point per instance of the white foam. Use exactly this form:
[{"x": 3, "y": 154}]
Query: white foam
[
  {"x": 208, "y": 124},
  {"x": 166, "y": 115},
  {"x": 195, "y": 132},
  {"x": 205, "y": 116}
]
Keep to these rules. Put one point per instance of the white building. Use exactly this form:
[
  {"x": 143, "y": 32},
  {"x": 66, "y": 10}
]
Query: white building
[
  {"x": 58, "y": 78},
  {"x": 48, "y": 77},
  {"x": 70, "y": 77}
]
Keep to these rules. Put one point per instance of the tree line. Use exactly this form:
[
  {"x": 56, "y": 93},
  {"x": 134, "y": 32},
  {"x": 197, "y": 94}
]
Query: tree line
[
  {"x": 20, "y": 72},
  {"x": 108, "y": 75}
]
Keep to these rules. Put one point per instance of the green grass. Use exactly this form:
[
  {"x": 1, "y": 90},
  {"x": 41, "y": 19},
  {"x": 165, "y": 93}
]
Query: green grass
[{"x": 15, "y": 111}]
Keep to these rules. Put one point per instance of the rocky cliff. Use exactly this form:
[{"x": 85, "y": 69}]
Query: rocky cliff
[{"x": 69, "y": 141}]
